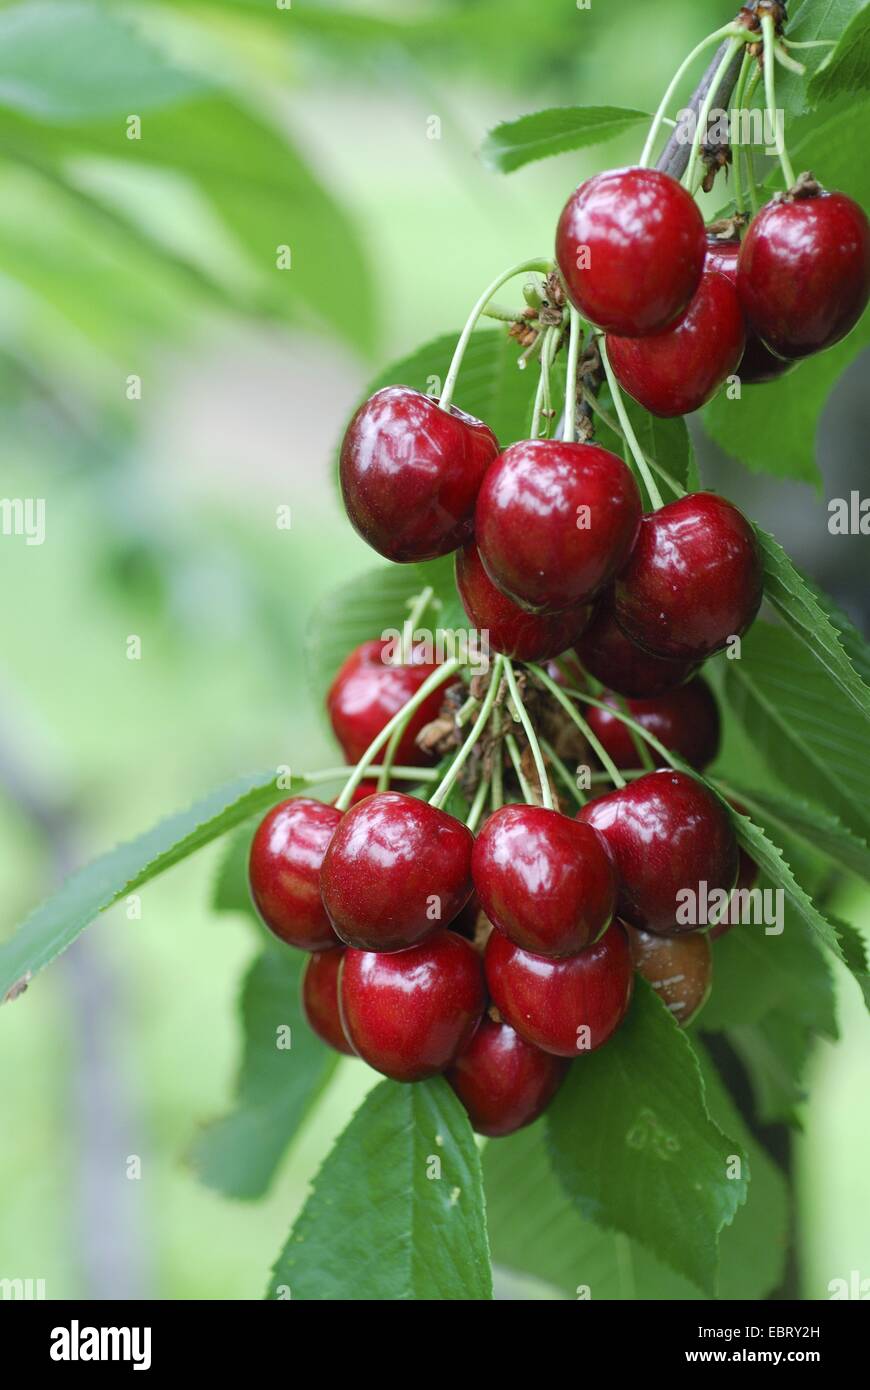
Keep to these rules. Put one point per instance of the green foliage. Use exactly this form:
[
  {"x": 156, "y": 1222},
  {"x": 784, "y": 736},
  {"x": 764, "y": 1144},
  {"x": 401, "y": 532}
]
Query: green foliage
[
  {"x": 812, "y": 825},
  {"x": 515, "y": 143},
  {"x": 396, "y": 1211},
  {"x": 846, "y": 69}
]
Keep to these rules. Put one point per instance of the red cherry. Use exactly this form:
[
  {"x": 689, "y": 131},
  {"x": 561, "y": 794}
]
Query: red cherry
[
  {"x": 320, "y": 999},
  {"x": 630, "y": 245},
  {"x": 396, "y": 870},
  {"x": 503, "y": 1082},
  {"x": 368, "y": 690},
  {"x": 680, "y": 969},
  {"x": 410, "y": 473},
  {"x": 408, "y": 1014},
  {"x": 758, "y": 363},
  {"x": 549, "y": 889},
  {"x": 804, "y": 272},
  {"x": 686, "y": 721},
  {"x": 667, "y": 834},
  {"x": 611, "y": 658},
  {"x": 284, "y": 871},
  {"x": 678, "y": 370},
  {"x": 555, "y": 522},
  {"x": 568, "y": 1006},
  {"x": 694, "y": 579},
  {"x": 512, "y": 631}
]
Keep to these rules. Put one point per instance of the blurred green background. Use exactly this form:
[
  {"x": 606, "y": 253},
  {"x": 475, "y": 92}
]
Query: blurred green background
[{"x": 155, "y": 259}]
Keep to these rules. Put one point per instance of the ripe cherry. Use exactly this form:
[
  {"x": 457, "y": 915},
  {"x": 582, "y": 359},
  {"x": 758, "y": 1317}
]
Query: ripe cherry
[
  {"x": 678, "y": 370},
  {"x": 548, "y": 888},
  {"x": 621, "y": 665},
  {"x": 668, "y": 835},
  {"x": 369, "y": 690},
  {"x": 409, "y": 1013},
  {"x": 694, "y": 579},
  {"x": 686, "y": 721},
  {"x": 284, "y": 871},
  {"x": 680, "y": 969},
  {"x": 503, "y": 1082},
  {"x": 556, "y": 521},
  {"x": 758, "y": 363},
  {"x": 320, "y": 998},
  {"x": 396, "y": 870},
  {"x": 410, "y": 473},
  {"x": 804, "y": 272},
  {"x": 512, "y": 631},
  {"x": 630, "y": 246},
  {"x": 567, "y": 1007}
]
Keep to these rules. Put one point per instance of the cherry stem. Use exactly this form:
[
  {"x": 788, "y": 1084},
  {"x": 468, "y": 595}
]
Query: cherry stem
[
  {"x": 522, "y": 712},
  {"x": 497, "y": 311},
  {"x": 418, "y": 608},
  {"x": 706, "y": 106},
  {"x": 640, "y": 747},
  {"x": 478, "y": 804},
  {"x": 791, "y": 64},
  {"x": 631, "y": 724},
  {"x": 631, "y": 438},
  {"x": 543, "y": 267},
  {"x": 611, "y": 424},
  {"x": 595, "y": 744},
  {"x": 431, "y": 683},
  {"x": 769, "y": 32},
  {"x": 341, "y": 774},
  {"x": 734, "y": 131},
  {"x": 727, "y": 31},
  {"x": 525, "y": 788},
  {"x": 497, "y": 789},
  {"x": 570, "y": 427},
  {"x": 542, "y": 395},
  {"x": 443, "y": 790},
  {"x": 563, "y": 771}
]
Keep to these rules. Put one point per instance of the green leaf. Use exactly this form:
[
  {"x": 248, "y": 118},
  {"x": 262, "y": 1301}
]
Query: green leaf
[
  {"x": 847, "y": 67},
  {"x": 775, "y": 1052},
  {"x": 666, "y": 441},
  {"x": 810, "y": 824},
  {"x": 396, "y": 1211},
  {"x": 285, "y": 1068},
  {"x": 57, "y": 923},
  {"x": 627, "y": 1126},
  {"x": 230, "y": 892},
  {"x": 855, "y": 953},
  {"x": 515, "y": 143}
]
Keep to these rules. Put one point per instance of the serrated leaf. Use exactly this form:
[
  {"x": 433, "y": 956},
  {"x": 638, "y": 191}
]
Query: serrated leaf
[
  {"x": 544, "y": 133},
  {"x": 775, "y": 1052},
  {"x": 626, "y": 1127},
  {"x": 847, "y": 67},
  {"x": 230, "y": 891},
  {"x": 285, "y": 1067},
  {"x": 856, "y": 955},
  {"x": 56, "y": 924},
  {"x": 396, "y": 1211},
  {"x": 811, "y": 824}
]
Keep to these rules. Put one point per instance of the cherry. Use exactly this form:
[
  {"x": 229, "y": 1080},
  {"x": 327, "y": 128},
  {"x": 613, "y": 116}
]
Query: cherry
[
  {"x": 512, "y": 631},
  {"x": 667, "y": 834},
  {"x": 366, "y": 693},
  {"x": 630, "y": 246},
  {"x": 804, "y": 272},
  {"x": 320, "y": 998},
  {"x": 621, "y": 665},
  {"x": 284, "y": 871},
  {"x": 567, "y": 1006},
  {"x": 758, "y": 363},
  {"x": 396, "y": 870},
  {"x": 410, "y": 473},
  {"x": 548, "y": 888},
  {"x": 680, "y": 969},
  {"x": 686, "y": 721},
  {"x": 694, "y": 579},
  {"x": 409, "y": 1013},
  {"x": 503, "y": 1082},
  {"x": 680, "y": 369},
  {"x": 556, "y": 521}
]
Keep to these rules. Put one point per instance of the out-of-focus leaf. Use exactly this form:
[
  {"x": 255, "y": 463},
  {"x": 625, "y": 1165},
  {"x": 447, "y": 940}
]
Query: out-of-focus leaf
[
  {"x": 544, "y": 133},
  {"x": 846, "y": 69}
]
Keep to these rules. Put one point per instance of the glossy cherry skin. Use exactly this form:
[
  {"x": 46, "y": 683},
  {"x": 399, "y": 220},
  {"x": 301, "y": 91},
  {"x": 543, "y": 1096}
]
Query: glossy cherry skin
[
  {"x": 804, "y": 272},
  {"x": 621, "y": 665},
  {"x": 511, "y": 630},
  {"x": 686, "y": 721},
  {"x": 368, "y": 690},
  {"x": 503, "y": 1082},
  {"x": 630, "y": 246},
  {"x": 758, "y": 363},
  {"x": 408, "y": 1014},
  {"x": 284, "y": 871},
  {"x": 569, "y": 1006},
  {"x": 549, "y": 889},
  {"x": 396, "y": 870},
  {"x": 694, "y": 579},
  {"x": 410, "y": 473},
  {"x": 680, "y": 970},
  {"x": 680, "y": 369},
  {"x": 555, "y": 522},
  {"x": 320, "y": 999},
  {"x": 666, "y": 833}
]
